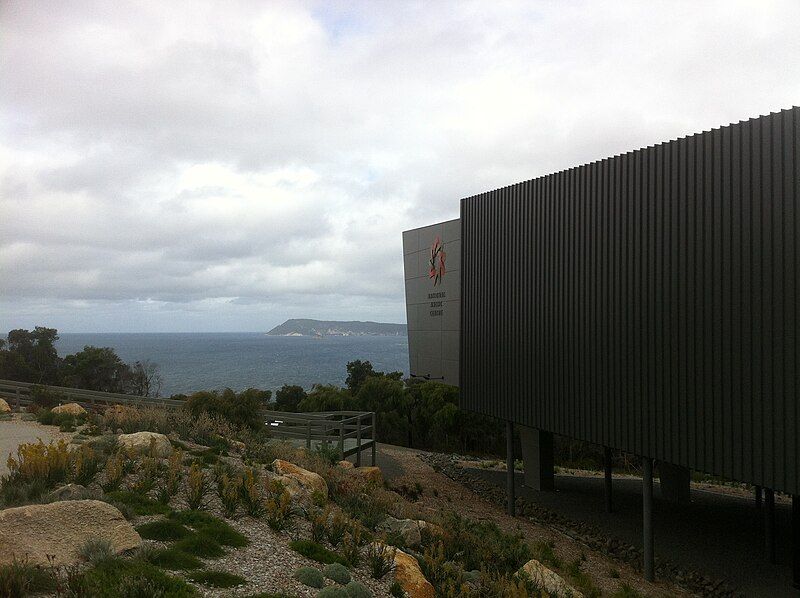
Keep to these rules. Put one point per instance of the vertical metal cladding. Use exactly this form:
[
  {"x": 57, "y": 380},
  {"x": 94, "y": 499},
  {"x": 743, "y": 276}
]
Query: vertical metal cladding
[{"x": 648, "y": 302}]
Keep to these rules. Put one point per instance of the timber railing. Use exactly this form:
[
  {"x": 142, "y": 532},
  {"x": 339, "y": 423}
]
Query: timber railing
[
  {"x": 19, "y": 394},
  {"x": 351, "y": 432}
]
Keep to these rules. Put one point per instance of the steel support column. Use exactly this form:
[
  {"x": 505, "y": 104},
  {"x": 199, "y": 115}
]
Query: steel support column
[
  {"x": 769, "y": 524},
  {"x": 796, "y": 540},
  {"x": 510, "y": 468},
  {"x": 607, "y": 471},
  {"x": 758, "y": 497},
  {"x": 647, "y": 519}
]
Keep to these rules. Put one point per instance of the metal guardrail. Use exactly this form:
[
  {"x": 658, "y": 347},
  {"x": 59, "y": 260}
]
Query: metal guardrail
[
  {"x": 342, "y": 428},
  {"x": 351, "y": 431},
  {"x": 19, "y": 394}
]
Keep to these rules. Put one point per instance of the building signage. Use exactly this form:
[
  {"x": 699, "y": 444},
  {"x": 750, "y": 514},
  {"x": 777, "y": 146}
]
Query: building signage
[{"x": 431, "y": 257}]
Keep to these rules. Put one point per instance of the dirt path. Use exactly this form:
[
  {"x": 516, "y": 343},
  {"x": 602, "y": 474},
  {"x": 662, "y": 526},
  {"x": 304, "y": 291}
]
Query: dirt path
[{"x": 441, "y": 493}]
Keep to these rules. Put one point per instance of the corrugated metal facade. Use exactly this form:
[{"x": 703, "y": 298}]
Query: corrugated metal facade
[{"x": 647, "y": 302}]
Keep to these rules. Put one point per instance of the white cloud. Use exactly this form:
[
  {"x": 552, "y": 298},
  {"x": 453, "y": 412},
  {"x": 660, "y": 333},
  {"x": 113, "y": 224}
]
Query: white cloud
[{"x": 205, "y": 166}]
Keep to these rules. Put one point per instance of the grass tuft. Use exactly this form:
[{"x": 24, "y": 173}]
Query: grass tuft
[
  {"x": 174, "y": 560},
  {"x": 164, "y": 530},
  {"x": 218, "y": 579},
  {"x": 317, "y": 552},
  {"x": 200, "y": 545},
  {"x": 117, "y": 577},
  {"x": 139, "y": 503}
]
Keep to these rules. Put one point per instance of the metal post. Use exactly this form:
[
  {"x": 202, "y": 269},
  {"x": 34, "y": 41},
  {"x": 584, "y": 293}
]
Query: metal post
[
  {"x": 374, "y": 441},
  {"x": 308, "y": 435},
  {"x": 758, "y": 497},
  {"x": 341, "y": 439},
  {"x": 647, "y": 512},
  {"x": 19, "y": 404},
  {"x": 769, "y": 523},
  {"x": 796, "y": 540},
  {"x": 510, "y": 468},
  {"x": 358, "y": 442},
  {"x": 607, "y": 471}
]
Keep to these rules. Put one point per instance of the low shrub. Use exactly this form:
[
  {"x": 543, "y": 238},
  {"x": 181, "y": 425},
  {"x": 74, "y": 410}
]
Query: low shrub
[
  {"x": 332, "y": 592},
  {"x": 45, "y": 398},
  {"x": 96, "y": 550},
  {"x": 338, "y": 573},
  {"x": 197, "y": 487},
  {"x": 200, "y": 544},
  {"x": 337, "y": 526},
  {"x": 396, "y": 590},
  {"x": 252, "y": 493},
  {"x": 543, "y": 552},
  {"x": 14, "y": 493},
  {"x": 317, "y": 552},
  {"x": 280, "y": 511},
  {"x": 164, "y": 530},
  {"x": 309, "y": 576},
  {"x": 114, "y": 471},
  {"x": 356, "y": 589},
  {"x": 229, "y": 490},
  {"x": 211, "y": 526},
  {"x": 50, "y": 463},
  {"x": 353, "y": 542},
  {"x": 139, "y": 503},
  {"x": 148, "y": 471},
  {"x": 626, "y": 591},
  {"x": 175, "y": 560},
  {"x": 218, "y": 579},
  {"x": 85, "y": 464},
  {"x": 380, "y": 559},
  {"x": 18, "y": 579},
  {"x": 131, "y": 578}
]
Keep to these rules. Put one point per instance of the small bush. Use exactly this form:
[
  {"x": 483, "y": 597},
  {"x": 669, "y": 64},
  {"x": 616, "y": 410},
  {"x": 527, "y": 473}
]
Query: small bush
[
  {"x": 333, "y": 592},
  {"x": 280, "y": 511},
  {"x": 174, "y": 473},
  {"x": 85, "y": 465},
  {"x": 200, "y": 544},
  {"x": 164, "y": 530},
  {"x": 211, "y": 526},
  {"x": 338, "y": 573},
  {"x": 125, "y": 578},
  {"x": 229, "y": 491},
  {"x": 13, "y": 493},
  {"x": 317, "y": 552},
  {"x": 44, "y": 398},
  {"x": 96, "y": 550},
  {"x": 50, "y": 463},
  {"x": 218, "y": 579},
  {"x": 626, "y": 591},
  {"x": 318, "y": 519},
  {"x": 338, "y": 524},
  {"x": 352, "y": 544},
  {"x": 147, "y": 473},
  {"x": 252, "y": 493},
  {"x": 380, "y": 559},
  {"x": 140, "y": 504},
  {"x": 193, "y": 518},
  {"x": 396, "y": 590},
  {"x": 18, "y": 578},
  {"x": 543, "y": 552},
  {"x": 197, "y": 487},
  {"x": 309, "y": 576},
  {"x": 114, "y": 472},
  {"x": 356, "y": 589},
  {"x": 175, "y": 560}
]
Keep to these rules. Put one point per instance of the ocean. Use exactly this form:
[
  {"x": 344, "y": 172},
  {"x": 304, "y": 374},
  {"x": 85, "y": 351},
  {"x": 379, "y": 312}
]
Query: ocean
[{"x": 204, "y": 361}]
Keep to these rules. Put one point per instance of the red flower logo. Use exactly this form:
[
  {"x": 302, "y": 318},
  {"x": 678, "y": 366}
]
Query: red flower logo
[{"x": 436, "y": 263}]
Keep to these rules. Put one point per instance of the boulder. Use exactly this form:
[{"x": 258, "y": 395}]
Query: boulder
[
  {"x": 370, "y": 474},
  {"x": 146, "y": 443},
  {"x": 70, "y": 409},
  {"x": 550, "y": 581},
  {"x": 4, "y": 408},
  {"x": 68, "y": 492},
  {"x": 345, "y": 464},
  {"x": 410, "y": 577},
  {"x": 407, "y": 529},
  {"x": 311, "y": 482},
  {"x": 61, "y": 529}
]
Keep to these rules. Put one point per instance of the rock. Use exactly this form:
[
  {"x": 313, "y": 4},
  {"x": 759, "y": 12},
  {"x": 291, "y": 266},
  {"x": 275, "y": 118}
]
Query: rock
[
  {"x": 61, "y": 529},
  {"x": 345, "y": 464},
  {"x": 311, "y": 482},
  {"x": 146, "y": 443},
  {"x": 238, "y": 446},
  {"x": 68, "y": 492},
  {"x": 550, "y": 581},
  {"x": 69, "y": 409},
  {"x": 407, "y": 529},
  {"x": 410, "y": 577},
  {"x": 4, "y": 408},
  {"x": 370, "y": 474}
]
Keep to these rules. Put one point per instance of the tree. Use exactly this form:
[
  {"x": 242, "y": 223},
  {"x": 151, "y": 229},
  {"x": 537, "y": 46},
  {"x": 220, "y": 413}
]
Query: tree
[
  {"x": 325, "y": 398},
  {"x": 288, "y": 397},
  {"x": 145, "y": 379},
  {"x": 357, "y": 373},
  {"x": 96, "y": 368},
  {"x": 242, "y": 409},
  {"x": 30, "y": 356}
]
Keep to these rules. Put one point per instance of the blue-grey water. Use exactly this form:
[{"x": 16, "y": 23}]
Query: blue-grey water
[{"x": 200, "y": 361}]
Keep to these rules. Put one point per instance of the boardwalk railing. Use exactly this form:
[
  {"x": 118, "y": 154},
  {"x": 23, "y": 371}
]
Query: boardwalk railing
[
  {"x": 350, "y": 431},
  {"x": 19, "y": 394}
]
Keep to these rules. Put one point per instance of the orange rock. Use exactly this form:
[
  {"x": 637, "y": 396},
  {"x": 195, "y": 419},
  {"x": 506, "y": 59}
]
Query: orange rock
[
  {"x": 345, "y": 464},
  {"x": 410, "y": 577},
  {"x": 370, "y": 474},
  {"x": 313, "y": 482}
]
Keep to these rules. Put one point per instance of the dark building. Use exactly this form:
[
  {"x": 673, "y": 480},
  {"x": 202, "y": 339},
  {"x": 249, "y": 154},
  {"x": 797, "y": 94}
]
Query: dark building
[{"x": 648, "y": 303}]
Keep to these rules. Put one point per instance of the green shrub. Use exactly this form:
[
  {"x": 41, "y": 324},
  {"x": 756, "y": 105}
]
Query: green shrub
[
  {"x": 14, "y": 493},
  {"x": 356, "y": 589},
  {"x": 96, "y": 550},
  {"x": 44, "y": 398},
  {"x": 396, "y": 590},
  {"x": 626, "y": 591},
  {"x": 140, "y": 504},
  {"x": 200, "y": 545},
  {"x": 543, "y": 552},
  {"x": 252, "y": 493},
  {"x": 337, "y": 572},
  {"x": 124, "y": 578},
  {"x": 241, "y": 409},
  {"x": 211, "y": 526},
  {"x": 197, "y": 487},
  {"x": 476, "y": 544},
  {"x": 85, "y": 463},
  {"x": 380, "y": 559},
  {"x": 193, "y": 517},
  {"x": 164, "y": 530},
  {"x": 175, "y": 560},
  {"x": 310, "y": 577},
  {"x": 218, "y": 579},
  {"x": 18, "y": 578},
  {"x": 317, "y": 552},
  {"x": 333, "y": 592},
  {"x": 337, "y": 526}
]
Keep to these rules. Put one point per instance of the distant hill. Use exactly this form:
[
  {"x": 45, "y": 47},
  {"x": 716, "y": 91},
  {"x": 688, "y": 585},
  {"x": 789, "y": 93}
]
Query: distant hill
[{"x": 298, "y": 327}]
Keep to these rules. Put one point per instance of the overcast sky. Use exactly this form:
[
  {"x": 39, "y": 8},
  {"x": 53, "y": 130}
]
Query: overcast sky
[{"x": 223, "y": 166}]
